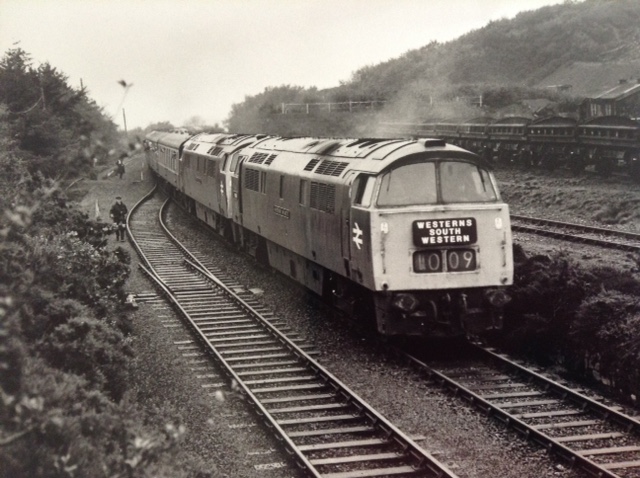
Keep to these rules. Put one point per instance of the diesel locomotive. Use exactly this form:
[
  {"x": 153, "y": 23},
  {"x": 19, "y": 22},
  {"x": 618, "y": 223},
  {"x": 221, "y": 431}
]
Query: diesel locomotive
[{"x": 410, "y": 234}]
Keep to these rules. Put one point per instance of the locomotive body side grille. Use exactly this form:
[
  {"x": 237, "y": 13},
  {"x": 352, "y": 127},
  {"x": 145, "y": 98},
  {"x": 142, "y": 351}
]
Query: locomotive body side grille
[
  {"x": 323, "y": 197},
  {"x": 252, "y": 179}
]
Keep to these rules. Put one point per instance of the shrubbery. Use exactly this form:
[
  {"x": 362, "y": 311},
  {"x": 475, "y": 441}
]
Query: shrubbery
[
  {"x": 64, "y": 348},
  {"x": 64, "y": 334},
  {"x": 588, "y": 318}
]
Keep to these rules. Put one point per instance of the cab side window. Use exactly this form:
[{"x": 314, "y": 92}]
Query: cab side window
[{"x": 363, "y": 190}]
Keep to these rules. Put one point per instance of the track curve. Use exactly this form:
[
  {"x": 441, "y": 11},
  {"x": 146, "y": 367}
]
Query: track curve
[{"x": 329, "y": 430}]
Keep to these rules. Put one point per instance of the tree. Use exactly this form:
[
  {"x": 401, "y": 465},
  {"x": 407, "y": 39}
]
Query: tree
[{"x": 58, "y": 127}]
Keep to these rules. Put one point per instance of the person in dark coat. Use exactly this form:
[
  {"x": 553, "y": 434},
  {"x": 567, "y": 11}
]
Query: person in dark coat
[
  {"x": 120, "y": 167},
  {"x": 118, "y": 214}
]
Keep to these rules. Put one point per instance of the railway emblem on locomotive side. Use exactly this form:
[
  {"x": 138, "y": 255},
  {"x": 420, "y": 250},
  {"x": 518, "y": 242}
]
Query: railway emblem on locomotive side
[
  {"x": 357, "y": 235},
  {"x": 459, "y": 232}
]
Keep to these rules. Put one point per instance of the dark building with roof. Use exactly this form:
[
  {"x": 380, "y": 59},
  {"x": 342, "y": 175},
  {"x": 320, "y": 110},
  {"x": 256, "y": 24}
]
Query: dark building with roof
[{"x": 622, "y": 100}]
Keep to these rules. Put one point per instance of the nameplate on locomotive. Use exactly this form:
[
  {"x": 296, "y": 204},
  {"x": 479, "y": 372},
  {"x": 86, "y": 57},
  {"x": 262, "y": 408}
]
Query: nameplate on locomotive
[
  {"x": 281, "y": 211},
  {"x": 445, "y": 232}
]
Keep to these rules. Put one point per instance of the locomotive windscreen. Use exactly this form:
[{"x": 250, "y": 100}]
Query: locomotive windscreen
[
  {"x": 465, "y": 182},
  {"x": 410, "y": 184},
  {"x": 436, "y": 182}
]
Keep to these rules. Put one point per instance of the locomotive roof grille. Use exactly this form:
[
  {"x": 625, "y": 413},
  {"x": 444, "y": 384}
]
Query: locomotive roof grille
[
  {"x": 262, "y": 158},
  {"x": 331, "y": 168},
  {"x": 214, "y": 150},
  {"x": 311, "y": 164},
  {"x": 258, "y": 158}
]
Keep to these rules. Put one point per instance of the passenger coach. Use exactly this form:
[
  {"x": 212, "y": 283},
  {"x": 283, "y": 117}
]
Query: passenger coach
[{"x": 163, "y": 154}]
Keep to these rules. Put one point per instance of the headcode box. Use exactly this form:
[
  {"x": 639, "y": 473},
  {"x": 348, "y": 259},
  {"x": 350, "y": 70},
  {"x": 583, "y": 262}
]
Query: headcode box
[{"x": 445, "y": 232}]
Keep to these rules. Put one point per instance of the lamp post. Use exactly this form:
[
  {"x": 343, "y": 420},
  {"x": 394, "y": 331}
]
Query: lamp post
[{"x": 126, "y": 87}]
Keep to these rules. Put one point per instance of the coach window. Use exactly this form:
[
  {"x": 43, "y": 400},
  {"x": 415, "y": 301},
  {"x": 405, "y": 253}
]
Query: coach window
[
  {"x": 223, "y": 163},
  {"x": 465, "y": 182},
  {"x": 363, "y": 188},
  {"x": 411, "y": 184}
]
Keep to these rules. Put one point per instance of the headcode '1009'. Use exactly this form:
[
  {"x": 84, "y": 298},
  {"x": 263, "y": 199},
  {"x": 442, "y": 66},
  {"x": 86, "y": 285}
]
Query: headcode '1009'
[{"x": 448, "y": 260}]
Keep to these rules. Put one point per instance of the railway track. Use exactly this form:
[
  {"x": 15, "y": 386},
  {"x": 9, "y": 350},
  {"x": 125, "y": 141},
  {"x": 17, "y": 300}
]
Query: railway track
[
  {"x": 326, "y": 427},
  {"x": 598, "y": 236},
  {"x": 597, "y": 438}
]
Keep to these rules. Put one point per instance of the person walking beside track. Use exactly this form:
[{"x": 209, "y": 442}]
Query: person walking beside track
[
  {"x": 118, "y": 214},
  {"x": 120, "y": 167}
]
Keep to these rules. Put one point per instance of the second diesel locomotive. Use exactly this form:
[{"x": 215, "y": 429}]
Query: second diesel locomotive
[{"x": 410, "y": 233}]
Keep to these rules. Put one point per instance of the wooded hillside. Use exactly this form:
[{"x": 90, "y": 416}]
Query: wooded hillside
[{"x": 503, "y": 61}]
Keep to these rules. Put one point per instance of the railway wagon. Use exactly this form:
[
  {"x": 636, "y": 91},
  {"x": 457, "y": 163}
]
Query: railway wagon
[
  {"x": 411, "y": 234},
  {"x": 608, "y": 143}
]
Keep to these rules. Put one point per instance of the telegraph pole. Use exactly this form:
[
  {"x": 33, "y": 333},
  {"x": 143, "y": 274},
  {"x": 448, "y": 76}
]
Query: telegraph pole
[{"x": 124, "y": 117}]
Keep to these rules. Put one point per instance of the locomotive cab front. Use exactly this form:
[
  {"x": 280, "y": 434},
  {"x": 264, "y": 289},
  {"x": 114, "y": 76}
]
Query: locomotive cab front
[{"x": 431, "y": 237}]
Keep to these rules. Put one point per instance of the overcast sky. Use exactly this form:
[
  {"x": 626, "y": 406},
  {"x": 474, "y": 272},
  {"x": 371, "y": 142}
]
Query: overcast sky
[{"x": 189, "y": 58}]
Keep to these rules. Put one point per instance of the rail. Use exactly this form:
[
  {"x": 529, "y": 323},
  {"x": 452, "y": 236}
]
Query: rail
[
  {"x": 329, "y": 429},
  {"x": 544, "y": 411}
]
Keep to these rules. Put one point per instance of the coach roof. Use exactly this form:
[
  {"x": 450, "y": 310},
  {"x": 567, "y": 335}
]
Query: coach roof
[{"x": 173, "y": 140}]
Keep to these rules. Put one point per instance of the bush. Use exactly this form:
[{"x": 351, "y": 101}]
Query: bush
[
  {"x": 95, "y": 277},
  {"x": 90, "y": 348},
  {"x": 607, "y": 332},
  {"x": 589, "y": 318},
  {"x": 64, "y": 353},
  {"x": 545, "y": 295}
]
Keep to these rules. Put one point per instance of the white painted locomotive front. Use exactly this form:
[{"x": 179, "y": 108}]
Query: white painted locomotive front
[{"x": 447, "y": 258}]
